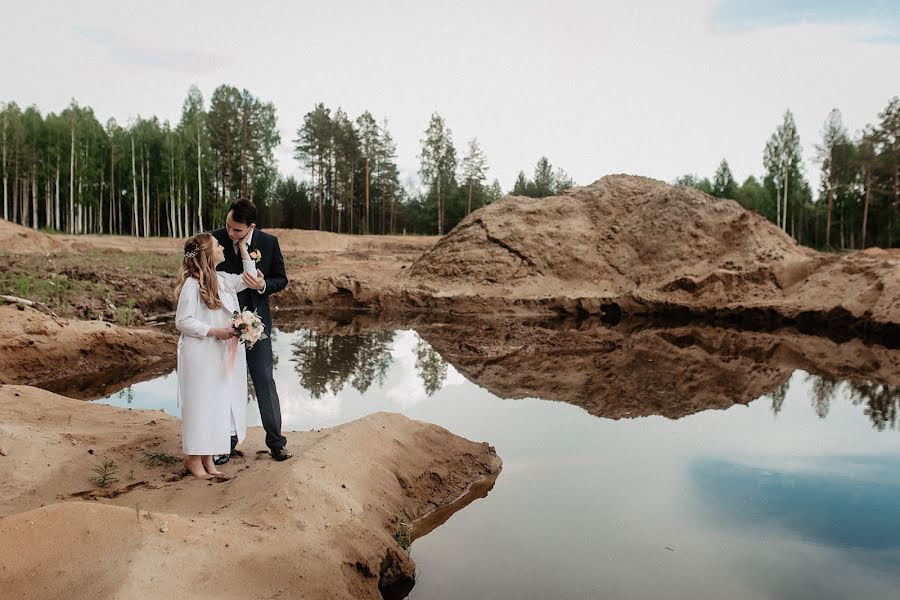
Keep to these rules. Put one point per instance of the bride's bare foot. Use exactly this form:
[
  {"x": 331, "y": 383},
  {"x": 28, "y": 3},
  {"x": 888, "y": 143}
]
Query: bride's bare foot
[
  {"x": 209, "y": 466},
  {"x": 195, "y": 467}
]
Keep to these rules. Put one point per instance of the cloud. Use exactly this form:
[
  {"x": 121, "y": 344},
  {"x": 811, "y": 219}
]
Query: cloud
[
  {"x": 141, "y": 54},
  {"x": 875, "y": 21}
]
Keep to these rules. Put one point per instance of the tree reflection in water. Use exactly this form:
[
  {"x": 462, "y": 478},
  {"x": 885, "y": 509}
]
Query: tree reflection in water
[
  {"x": 881, "y": 401},
  {"x": 326, "y": 363},
  {"x": 778, "y": 396},
  {"x": 431, "y": 366},
  {"x": 822, "y": 392}
]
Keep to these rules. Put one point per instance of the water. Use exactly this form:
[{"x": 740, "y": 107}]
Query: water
[{"x": 664, "y": 463}]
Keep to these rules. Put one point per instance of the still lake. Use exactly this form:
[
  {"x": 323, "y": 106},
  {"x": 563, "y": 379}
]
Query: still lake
[{"x": 654, "y": 465}]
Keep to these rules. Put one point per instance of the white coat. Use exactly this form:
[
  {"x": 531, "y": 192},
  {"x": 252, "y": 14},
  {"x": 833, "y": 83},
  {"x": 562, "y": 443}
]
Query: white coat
[{"x": 213, "y": 398}]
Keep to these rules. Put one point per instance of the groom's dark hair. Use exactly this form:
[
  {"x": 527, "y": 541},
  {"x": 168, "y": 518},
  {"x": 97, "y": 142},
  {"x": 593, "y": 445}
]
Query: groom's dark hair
[{"x": 243, "y": 211}]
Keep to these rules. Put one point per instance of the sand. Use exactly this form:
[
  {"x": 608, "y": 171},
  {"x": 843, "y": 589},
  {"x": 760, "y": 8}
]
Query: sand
[{"x": 321, "y": 525}]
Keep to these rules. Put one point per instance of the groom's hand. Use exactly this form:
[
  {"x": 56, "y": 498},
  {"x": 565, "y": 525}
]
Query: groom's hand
[{"x": 256, "y": 283}]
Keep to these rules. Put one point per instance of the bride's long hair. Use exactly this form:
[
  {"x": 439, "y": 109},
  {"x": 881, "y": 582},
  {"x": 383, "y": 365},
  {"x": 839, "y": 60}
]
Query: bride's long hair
[{"x": 198, "y": 262}]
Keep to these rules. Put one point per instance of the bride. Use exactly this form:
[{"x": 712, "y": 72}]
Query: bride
[{"x": 212, "y": 376}]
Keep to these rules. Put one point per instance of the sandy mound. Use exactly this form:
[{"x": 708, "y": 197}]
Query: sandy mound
[
  {"x": 37, "y": 349},
  {"x": 613, "y": 236},
  {"x": 321, "y": 525},
  {"x": 16, "y": 239},
  {"x": 642, "y": 246}
]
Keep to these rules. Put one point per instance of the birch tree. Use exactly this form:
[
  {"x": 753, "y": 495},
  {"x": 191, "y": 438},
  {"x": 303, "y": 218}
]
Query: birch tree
[
  {"x": 781, "y": 159},
  {"x": 438, "y": 164},
  {"x": 367, "y": 130},
  {"x": 474, "y": 170},
  {"x": 834, "y": 138}
]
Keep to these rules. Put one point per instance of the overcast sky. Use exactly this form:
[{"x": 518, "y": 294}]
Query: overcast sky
[{"x": 654, "y": 88}]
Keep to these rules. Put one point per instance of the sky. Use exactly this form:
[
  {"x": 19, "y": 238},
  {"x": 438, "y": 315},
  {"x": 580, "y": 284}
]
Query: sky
[{"x": 651, "y": 88}]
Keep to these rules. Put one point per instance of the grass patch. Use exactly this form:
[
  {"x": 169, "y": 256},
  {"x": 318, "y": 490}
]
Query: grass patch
[
  {"x": 125, "y": 315},
  {"x": 154, "y": 459},
  {"x": 300, "y": 261},
  {"x": 401, "y": 536},
  {"x": 52, "y": 289},
  {"x": 111, "y": 286}
]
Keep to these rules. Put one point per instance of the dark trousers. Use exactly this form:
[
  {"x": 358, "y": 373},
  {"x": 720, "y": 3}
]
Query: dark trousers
[{"x": 259, "y": 362}]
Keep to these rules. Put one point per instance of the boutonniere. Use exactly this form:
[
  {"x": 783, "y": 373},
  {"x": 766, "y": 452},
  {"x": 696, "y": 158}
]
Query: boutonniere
[{"x": 256, "y": 255}]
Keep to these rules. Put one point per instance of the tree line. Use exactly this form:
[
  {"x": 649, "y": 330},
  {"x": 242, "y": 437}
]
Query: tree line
[
  {"x": 354, "y": 182},
  {"x": 68, "y": 172},
  {"x": 859, "y": 193}
]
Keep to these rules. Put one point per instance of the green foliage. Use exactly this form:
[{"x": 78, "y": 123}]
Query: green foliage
[
  {"x": 147, "y": 178},
  {"x": 153, "y": 177},
  {"x": 752, "y": 196},
  {"x": 438, "y": 167},
  {"x": 402, "y": 536},
  {"x": 52, "y": 289},
  {"x": 125, "y": 315},
  {"x": 724, "y": 185},
  {"x": 354, "y": 179},
  {"x": 154, "y": 459},
  {"x": 105, "y": 474},
  {"x": 859, "y": 196},
  {"x": 546, "y": 181}
]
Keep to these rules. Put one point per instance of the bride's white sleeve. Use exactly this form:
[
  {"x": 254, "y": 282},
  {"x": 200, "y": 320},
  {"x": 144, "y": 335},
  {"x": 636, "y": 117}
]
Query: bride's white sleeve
[
  {"x": 237, "y": 281},
  {"x": 186, "y": 320}
]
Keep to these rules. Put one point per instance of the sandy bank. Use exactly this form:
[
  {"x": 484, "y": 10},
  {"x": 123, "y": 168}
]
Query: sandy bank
[
  {"x": 321, "y": 525},
  {"x": 38, "y": 349}
]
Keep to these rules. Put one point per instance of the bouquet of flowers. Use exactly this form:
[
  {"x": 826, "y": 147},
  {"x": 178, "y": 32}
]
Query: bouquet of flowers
[{"x": 248, "y": 327}]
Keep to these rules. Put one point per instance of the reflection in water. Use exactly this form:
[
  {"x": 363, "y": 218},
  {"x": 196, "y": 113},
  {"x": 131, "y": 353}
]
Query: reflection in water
[
  {"x": 431, "y": 366},
  {"x": 823, "y": 390},
  {"x": 326, "y": 363},
  {"x": 862, "y": 511},
  {"x": 126, "y": 394},
  {"x": 778, "y": 395},
  {"x": 673, "y": 372},
  {"x": 880, "y": 401}
]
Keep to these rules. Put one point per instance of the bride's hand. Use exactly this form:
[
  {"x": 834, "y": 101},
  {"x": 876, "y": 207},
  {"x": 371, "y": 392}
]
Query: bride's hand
[
  {"x": 242, "y": 243},
  {"x": 221, "y": 333}
]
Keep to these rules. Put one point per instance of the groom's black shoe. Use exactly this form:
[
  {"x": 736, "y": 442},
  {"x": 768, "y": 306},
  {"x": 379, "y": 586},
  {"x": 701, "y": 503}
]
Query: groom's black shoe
[
  {"x": 280, "y": 454},
  {"x": 221, "y": 459}
]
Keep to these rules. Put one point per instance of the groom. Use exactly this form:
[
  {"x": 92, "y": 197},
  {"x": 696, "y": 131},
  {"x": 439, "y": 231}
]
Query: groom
[{"x": 271, "y": 278}]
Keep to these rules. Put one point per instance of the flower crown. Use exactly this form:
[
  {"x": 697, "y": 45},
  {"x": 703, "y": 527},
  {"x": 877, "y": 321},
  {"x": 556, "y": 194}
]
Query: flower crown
[{"x": 192, "y": 253}]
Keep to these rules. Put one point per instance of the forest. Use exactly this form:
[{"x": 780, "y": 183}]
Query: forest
[{"x": 70, "y": 173}]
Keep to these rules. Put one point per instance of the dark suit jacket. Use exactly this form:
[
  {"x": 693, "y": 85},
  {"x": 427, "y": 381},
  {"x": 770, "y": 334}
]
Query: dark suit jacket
[{"x": 271, "y": 264}]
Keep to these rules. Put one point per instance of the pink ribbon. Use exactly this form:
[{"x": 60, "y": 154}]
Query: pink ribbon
[{"x": 232, "y": 354}]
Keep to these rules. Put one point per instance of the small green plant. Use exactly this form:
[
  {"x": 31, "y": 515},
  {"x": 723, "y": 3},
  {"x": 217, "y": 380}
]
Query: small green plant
[
  {"x": 125, "y": 315},
  {"x": 137, "y": 511},
  {"x": 105, "y": 474},
  {"x": 401, "y": 536},
  {"x": 130, "y": 474},
  {"x": 154, "y": 459}
]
